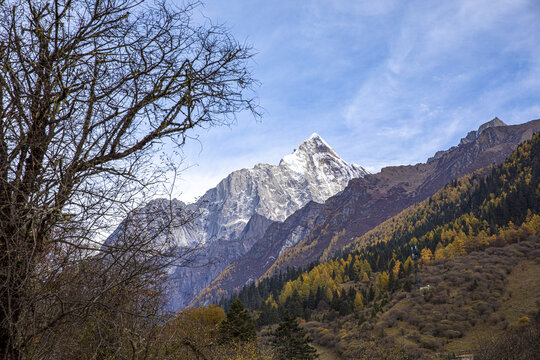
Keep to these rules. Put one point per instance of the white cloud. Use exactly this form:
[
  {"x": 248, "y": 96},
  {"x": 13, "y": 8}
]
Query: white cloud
[
  {"x": 366, "y": 7},
  {"x": 450, "y": 67},
  {"x": 384, "y": 82}
]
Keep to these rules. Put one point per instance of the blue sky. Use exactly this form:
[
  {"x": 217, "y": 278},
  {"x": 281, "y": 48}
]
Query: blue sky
[{"x": 383, "y": 82}]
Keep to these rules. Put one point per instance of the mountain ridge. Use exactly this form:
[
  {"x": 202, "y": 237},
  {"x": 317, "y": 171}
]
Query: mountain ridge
[
  {"x": 384, "y": 196},
  {"x": 247, "y": 199},
  {"x": 365, "y": 203},
  {"x": 434, "y": 277}
]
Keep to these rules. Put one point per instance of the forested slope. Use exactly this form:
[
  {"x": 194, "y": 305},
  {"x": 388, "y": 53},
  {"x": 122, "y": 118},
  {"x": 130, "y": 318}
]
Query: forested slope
[
  {"x": 315, "y": 232},
  {"x": 462, "y": 242},
  {"x": 367, "y": 202}
]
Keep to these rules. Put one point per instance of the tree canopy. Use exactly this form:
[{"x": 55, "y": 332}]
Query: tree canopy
[
  {"x": 291, "y": 341},
  {"x": 238, "y": 326}
]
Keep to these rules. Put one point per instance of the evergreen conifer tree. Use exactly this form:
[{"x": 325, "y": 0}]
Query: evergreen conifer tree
[
  {"x": 238, "y": 325},
  {"x": 291, "y": 341}
]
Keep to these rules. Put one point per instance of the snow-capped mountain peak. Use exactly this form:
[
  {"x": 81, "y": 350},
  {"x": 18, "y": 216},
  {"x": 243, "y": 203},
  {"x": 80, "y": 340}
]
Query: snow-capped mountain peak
[
  {"x": 316, "y": 144},
  {"x": 315, "y": 154},
  {"x": 268, "y": 193},
  {"x": 308, "y": 148}
]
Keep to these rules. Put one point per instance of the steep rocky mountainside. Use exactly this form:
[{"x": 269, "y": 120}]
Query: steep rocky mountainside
[
  {"x": 228, "y": 219},
  {"x": 367, "y": 202},
  {"x": 363, "y": 204}
]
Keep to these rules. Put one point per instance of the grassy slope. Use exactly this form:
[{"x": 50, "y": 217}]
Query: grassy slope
[
  {"x": 520, "y": 299},
  {"x": 326, "y": 353},
  {"x": 508, "y": 289}
]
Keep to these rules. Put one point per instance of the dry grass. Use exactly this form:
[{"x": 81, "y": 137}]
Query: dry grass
[
  {"x": 524, "y": 285},
  {"x": 520, "y": 298},
  {"x": 325, "y": 353}
]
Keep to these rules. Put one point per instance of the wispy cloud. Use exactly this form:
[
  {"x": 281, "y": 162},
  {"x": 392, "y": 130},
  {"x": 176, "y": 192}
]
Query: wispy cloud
[
  {"x": 451, "y": 66},
  {"x": 384, "y": 82}
]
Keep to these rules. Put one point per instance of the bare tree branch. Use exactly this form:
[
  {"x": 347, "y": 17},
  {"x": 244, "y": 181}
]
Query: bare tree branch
[{"x": 89, "y": 90}]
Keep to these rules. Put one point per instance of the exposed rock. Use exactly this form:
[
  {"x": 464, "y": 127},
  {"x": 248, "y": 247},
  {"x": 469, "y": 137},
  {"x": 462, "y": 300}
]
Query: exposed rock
[
  {"x": 473, "y": 135},
  {"x": 232, "y": 216}
]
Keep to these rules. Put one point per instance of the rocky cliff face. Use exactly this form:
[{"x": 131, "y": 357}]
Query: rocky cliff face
[
  {"x": 365, "y": 203},
  {"x": 473, "y": 135},
  {"x": 228, "y": 219},
  {"x": 277, "y": 239}
]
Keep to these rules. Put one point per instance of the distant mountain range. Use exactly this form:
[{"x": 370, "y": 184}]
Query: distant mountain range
[
  {"x": 230, "y": 218},
  {"x": 316, "y": 231},
  {"x": 257, "y": 222}
]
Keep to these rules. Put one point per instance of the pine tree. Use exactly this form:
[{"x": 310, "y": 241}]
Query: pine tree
[
  {"x": 238, "y": 325},
  {"x": 291, "y": 341}
]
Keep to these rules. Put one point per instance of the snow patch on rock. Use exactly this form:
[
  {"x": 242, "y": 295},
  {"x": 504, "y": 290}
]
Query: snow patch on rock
[{"x": 313, "y": 172}]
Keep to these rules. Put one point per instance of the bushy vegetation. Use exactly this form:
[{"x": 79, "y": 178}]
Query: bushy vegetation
[
  {"x": 519, "y": 341},
  {"x": 208, "y": 333}
]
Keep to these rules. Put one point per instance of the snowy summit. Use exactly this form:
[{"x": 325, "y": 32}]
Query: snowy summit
[{"x": 262, "y": 194}]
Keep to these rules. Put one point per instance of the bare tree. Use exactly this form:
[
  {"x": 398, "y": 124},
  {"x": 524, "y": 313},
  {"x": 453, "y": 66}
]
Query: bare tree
[{"x": 89, "y": 89}]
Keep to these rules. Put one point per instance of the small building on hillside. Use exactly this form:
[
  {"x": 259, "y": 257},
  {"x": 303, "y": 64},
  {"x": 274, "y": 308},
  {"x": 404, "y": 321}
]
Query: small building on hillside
[{"x": 465, "y": 355}]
